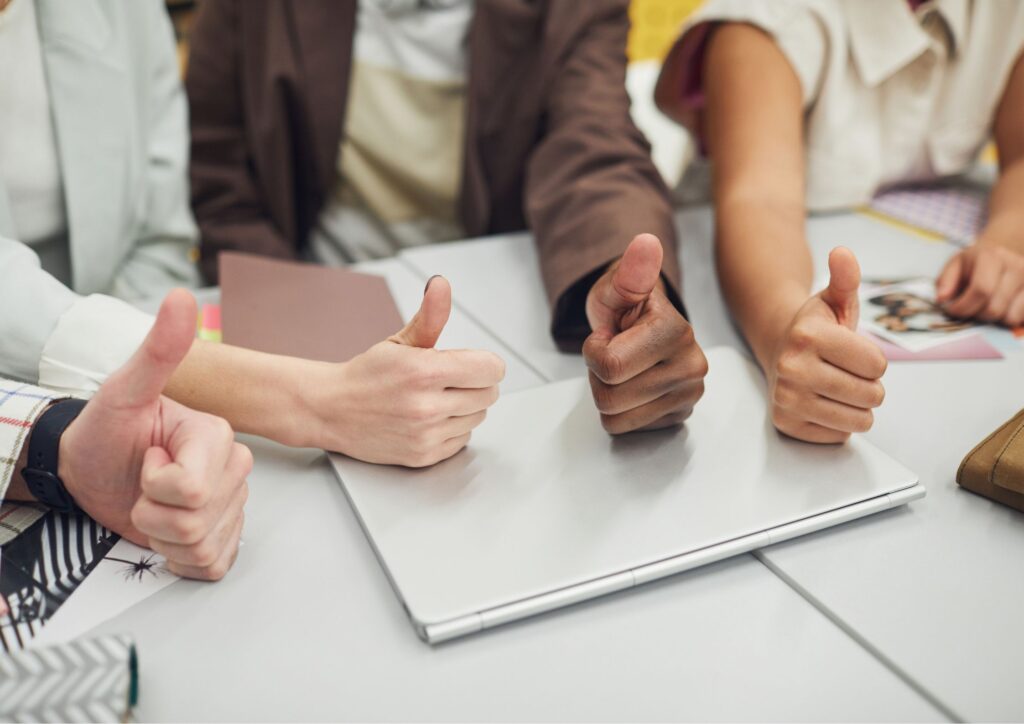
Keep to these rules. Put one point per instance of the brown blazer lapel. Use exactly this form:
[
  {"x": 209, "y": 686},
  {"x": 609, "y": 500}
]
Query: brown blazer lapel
[
  {"x": 500, "y": 32},
  {"x": 323, "y": 33}
]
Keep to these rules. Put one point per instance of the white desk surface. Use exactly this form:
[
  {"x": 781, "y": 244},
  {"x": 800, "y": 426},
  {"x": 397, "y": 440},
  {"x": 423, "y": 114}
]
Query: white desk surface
[
  {"x": 306, "y": 626},
  {"x": 933, "y": 590}
]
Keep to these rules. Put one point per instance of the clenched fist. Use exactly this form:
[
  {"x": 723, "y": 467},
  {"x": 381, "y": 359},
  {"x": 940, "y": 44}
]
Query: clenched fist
[
  {"x": 646, "y": 368},
  {"x": 824, "y": 379},
  {"x": 160, "y": 474}
]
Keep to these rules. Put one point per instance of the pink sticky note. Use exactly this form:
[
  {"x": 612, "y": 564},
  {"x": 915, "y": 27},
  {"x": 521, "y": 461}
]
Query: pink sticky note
[
  {"x": 211, "y": 317},
  {"x": 975, "y": 347}
]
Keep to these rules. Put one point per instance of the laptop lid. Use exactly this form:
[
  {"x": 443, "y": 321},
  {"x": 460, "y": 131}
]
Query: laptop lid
[{"x": 544, "y": 508}]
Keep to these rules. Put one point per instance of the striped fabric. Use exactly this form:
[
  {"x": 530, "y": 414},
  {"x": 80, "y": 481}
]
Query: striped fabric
[
  {"x": 41, "y": 568},
  {"x": 86, "y": 680}
]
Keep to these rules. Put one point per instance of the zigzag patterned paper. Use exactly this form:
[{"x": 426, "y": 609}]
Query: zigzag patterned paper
[{"x": 86, "y": 680}]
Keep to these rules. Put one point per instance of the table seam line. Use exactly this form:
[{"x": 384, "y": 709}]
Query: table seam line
[{"x": 872, "y": 650}]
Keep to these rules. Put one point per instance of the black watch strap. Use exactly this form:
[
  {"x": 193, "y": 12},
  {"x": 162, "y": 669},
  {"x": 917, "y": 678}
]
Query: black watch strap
[{"x": 40, "y": 472}]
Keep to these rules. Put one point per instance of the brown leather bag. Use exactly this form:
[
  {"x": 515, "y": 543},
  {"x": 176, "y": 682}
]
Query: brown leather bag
[{"x": 995, "y": 468}]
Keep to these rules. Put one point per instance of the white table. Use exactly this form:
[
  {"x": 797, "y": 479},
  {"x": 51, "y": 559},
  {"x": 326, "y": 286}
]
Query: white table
[
  {"x": 307, "y": 627},
  {"x": 933, "y": 591}
]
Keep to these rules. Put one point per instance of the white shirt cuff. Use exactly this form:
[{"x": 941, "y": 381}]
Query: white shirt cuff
[{"x": 92, "y": 339}]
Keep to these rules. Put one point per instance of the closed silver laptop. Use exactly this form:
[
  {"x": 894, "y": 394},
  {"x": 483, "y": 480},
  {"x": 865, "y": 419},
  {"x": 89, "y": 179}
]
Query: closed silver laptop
[{"x": 544, "y": 509}]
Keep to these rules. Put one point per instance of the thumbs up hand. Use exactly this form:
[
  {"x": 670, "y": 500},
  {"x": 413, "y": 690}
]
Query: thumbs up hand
[
  {"x": 825, "y": 379},
  {"x": 158, "y": 473},
  {"x": 402, "y": 401},
  {"x": 646, "y": 369}
]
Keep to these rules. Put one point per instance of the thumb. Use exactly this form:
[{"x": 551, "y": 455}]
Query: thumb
[
  {"x": 143, "y": 377},
  {"x": 424, "y": 329},
  {"x": 636, "y": 275},
  {"x": 844, "y": 281},
  {"x": 949, "y": 279}
]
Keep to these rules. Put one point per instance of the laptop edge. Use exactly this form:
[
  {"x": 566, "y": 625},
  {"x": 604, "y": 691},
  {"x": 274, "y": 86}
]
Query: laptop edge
[{"x": 435, "y": 633}]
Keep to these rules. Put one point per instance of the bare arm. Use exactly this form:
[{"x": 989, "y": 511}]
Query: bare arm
[
  {"x": 401, "y": 401},
  {"x": 753, "y": 126},
  {"x": 823, "y": 378},
  {"x": 1006, "y": 213},
  {"x": 986, "y": 280}
]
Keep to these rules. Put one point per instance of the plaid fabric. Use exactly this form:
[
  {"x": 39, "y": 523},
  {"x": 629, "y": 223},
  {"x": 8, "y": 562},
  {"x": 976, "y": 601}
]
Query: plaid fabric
[
  {"x": 20, "y": 406},
  {"x": 16, "y": 518}
]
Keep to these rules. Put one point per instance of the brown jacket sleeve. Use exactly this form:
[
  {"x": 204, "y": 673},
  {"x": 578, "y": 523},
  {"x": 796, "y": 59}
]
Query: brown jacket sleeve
[
  {"x": 226, "y": 200},
  {"x": 591, "y": 185}
]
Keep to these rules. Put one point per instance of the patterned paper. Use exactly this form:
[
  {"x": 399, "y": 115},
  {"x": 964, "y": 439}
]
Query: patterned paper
[
  {"x": 956, "y": 214},
  {"x": 88, "y": 680}
]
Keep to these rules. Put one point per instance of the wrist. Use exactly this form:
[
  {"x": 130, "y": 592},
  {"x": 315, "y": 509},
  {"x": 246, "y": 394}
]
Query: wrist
[
  {"x": 312, "y": 398},
  {"x": 1006, "y": 230},
  {"x": 770, "y": 330}
]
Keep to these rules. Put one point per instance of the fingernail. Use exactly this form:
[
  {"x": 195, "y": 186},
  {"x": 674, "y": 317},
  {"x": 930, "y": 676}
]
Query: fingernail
[{"x": 428, "y": 282}]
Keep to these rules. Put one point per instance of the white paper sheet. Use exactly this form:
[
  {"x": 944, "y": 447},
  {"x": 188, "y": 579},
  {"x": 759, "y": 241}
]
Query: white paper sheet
[{"x": 126, "y": 576}]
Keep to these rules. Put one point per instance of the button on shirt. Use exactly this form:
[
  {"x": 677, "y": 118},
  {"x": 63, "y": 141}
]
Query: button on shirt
[{"x": 891, "y": 94}]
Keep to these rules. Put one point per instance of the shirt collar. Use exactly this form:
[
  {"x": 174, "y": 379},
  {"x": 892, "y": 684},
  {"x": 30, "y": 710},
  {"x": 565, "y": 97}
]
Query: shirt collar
[{"x": 886, "y": 36}]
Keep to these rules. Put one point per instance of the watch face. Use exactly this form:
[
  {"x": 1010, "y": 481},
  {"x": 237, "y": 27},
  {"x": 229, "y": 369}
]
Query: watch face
[{"x": 41, "y": 567}]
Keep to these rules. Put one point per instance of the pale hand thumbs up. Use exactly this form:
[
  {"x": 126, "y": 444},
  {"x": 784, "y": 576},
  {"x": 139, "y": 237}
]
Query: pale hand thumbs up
[
  {"x": 143, "y": 377},
  {"x": 403, "y": 401},
  {"x": 160, "y": 474},
  {"x": 843, "y": 285},
  {"x": 425, "y": 328}
]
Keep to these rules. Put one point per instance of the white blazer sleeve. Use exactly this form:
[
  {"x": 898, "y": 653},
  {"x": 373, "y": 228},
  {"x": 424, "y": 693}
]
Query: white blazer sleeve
[{"x": 51, "y": 335}]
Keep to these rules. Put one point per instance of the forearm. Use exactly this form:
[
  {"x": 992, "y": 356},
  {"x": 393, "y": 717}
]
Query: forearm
[
  {"x": 258, "y": 393},
  {"x": 765, "y": 268},
  {"x": 1005, "y": 225}
]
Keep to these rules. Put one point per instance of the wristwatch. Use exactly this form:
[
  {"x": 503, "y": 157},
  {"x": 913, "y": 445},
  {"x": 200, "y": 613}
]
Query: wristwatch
[{"x": 40, "y": 473}]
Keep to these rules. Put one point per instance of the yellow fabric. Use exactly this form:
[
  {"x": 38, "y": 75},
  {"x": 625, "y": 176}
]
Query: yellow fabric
[
  {"x": 401, "y": 157},
  {"x": 655, "y": 25}
]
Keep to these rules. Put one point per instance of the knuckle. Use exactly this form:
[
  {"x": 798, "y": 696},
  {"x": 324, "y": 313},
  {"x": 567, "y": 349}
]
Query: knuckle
[
  {"x": 498, "y": 368},
  {"x": 880, "y": 363},
  {"x": 608, "y": 367},
  {"x": 612, "y": 424},
  {"x": 877, "y": 395},
  {"x": 187, "y": 529},
  {"x": 604, "y": 397},
  {"x": 139, "y": 518},
  {"x": 193, "y": 493},
  {"x": 802, "y": 336},
  {"x": 420, "y": 409},
  {"x": 788, "y": 366},
  {"x": 701, "y": 367},
  {"x": 203, "y": 555},
  {"x": 783, "y": 396},
  {"x": 780, "y": 420},
  {"x": 863, "y": 421},
  {"x": 215, "y": 572},
  {"x": 245, "y": 457},
  {"x": 221, "y": 430}
]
